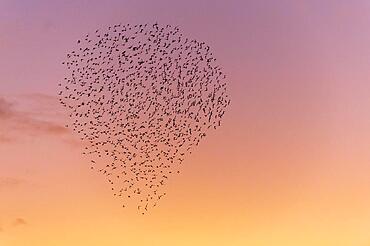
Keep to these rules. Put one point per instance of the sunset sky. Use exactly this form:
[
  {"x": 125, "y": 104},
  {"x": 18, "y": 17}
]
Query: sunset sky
[{"x": 290, "y": 165}]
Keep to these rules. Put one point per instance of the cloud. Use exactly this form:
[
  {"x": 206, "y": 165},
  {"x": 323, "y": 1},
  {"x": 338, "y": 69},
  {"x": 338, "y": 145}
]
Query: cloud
[
  {"x": 32, "y": 115},
  {"x": 5, "y": 139},
  {"x": 19, "y": 222},
  {"x": 6, "y": 182},
  {"x": 35, "y": 126},
  {"x": 5, "y": 109}
]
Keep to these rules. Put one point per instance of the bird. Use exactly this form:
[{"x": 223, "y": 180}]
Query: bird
[{"x": 141, "y": 98}]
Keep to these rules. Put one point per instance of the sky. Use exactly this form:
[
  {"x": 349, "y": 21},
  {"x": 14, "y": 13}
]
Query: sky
[{"x": 289, "y": 166}]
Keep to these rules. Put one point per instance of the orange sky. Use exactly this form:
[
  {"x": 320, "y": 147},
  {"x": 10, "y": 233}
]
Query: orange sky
[{"x": 289, "y": 166}]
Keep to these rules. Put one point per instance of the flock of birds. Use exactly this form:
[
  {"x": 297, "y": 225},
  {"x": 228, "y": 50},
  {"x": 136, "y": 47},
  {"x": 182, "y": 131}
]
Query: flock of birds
[{"x": 141, "y": 97}]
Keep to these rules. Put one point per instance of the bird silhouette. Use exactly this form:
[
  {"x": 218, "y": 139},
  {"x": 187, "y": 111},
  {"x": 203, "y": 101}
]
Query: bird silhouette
[{"x": 141, "y": 98}]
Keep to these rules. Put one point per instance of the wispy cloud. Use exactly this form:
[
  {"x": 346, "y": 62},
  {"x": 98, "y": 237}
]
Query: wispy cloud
[
  {"x": 31, "y": 115},
  {"x": 19, "y": 222},
  {"x": 5, "y": 107},
  {"x": 6, "y": 182},
  {"x": 5, "y": 139}
]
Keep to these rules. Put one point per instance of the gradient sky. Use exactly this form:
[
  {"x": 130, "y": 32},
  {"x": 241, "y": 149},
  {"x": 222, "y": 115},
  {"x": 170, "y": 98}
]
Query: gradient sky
[{"x": 289, "y": 166}]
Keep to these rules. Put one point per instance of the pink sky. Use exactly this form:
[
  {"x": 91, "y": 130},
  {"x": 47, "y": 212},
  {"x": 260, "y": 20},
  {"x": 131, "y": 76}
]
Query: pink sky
[{"x": 289, "y": 166}]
